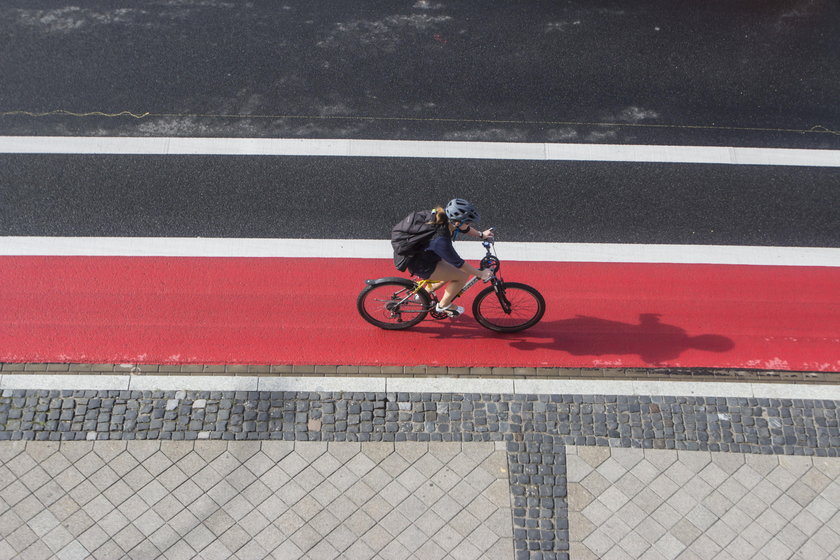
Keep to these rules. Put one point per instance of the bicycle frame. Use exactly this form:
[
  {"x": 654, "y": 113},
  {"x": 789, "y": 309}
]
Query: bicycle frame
[{"x": 423, "y": 284}]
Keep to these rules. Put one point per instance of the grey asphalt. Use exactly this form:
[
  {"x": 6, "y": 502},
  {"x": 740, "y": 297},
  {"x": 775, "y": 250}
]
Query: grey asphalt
[
  {"x": 334, "y": 197},
  {"x": 724, "y": 73},
  {"x": 653, "y": 71}
]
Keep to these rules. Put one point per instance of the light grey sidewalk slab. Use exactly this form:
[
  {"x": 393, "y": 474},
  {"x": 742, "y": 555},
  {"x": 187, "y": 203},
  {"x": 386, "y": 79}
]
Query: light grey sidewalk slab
[
  {"x": 450, "y": 385},
  {"x": 572, "y": 387},
  {"x": 256, "y": 499},
  {"x": 421, "y": 385},
  {"x": 771, "y": 391},
  {"x": 324, "y": 384},
  {"x": 652, "y": 503},
  {"x": 53, "y": 382},
  {"x": 192, "y": 383},
  {"x": 693, "y": 389},
  {"x": 676, "y": 388}
]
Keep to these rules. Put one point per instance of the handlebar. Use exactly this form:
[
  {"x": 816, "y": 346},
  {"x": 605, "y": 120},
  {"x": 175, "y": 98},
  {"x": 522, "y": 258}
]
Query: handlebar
[
  {"x": 489, "y": 242},
  {"x": 490, "y": 260}
]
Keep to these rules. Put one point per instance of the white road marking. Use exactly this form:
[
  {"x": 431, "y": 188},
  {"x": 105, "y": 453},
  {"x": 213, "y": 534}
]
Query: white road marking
[
  {"x": 381, "y": 249},
  {"x": 420, "y": 385},
  {"x": 416, "y": 149}
]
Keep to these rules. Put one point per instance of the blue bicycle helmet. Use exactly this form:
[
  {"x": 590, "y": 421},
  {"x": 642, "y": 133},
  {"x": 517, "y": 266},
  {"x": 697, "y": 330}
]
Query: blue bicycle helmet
[{"x": 460, "y": 210}]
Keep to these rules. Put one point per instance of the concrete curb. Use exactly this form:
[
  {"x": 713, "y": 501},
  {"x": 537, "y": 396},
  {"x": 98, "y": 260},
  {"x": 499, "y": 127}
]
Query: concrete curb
[
  {"x": 286, "y": 370},
  {"x": 434, "y": 385}
]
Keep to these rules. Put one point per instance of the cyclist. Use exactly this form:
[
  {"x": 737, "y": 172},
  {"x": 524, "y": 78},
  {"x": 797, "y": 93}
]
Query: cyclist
[{"x": 440, "y": 260}]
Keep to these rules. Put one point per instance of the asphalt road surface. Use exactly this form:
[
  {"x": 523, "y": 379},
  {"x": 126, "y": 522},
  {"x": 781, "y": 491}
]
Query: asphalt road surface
[
  {"x": 718, "y": 72},
  {"x": 361, "y": 198}
]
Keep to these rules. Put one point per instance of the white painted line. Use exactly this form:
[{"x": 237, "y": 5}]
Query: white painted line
[
  {"x": 677, "y": 254},
  {"x": 417, "y": 149},
  {"x": 194, "y": 247},
  {"x": 381, "y": 249},
  {"x": 61, "y": 382},
  {"x": 192, "y": 383},
  {"x": 421, "y": 385},
  {"x": 450, "y": 385},
  {"x": 323, "y": 384}
]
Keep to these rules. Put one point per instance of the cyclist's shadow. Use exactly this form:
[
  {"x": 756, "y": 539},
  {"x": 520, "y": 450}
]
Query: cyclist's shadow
[{"x": 653, "y": 341}]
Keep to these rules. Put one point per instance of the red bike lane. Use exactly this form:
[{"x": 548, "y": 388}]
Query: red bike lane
[{"x": 182, "y": 310}]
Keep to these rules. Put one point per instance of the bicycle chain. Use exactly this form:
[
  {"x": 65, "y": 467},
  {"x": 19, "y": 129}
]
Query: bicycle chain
[{"x": 438, "y": 314}]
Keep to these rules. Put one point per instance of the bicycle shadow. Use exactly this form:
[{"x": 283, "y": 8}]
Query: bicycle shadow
[{"x": 652, "y": 340}]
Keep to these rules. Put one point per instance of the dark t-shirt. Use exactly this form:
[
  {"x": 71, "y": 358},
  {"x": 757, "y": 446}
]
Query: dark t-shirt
[{"x": 440, "y": 248}]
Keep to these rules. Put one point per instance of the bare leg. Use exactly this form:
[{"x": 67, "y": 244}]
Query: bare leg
[
  {"x": 456, "y": 279},
  {"x": 433, "y": 287}
]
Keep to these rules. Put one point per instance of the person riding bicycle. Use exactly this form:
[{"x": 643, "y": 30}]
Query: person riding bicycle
[{"x": 441, "y": 262}]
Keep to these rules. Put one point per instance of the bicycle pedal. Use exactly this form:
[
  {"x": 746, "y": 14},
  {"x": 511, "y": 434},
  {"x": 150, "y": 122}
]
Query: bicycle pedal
[{"x": 452, "y": 311}]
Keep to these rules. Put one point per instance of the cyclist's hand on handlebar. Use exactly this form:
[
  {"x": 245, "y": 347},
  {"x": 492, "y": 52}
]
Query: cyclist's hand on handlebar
[{"x": 488, "y": 234}]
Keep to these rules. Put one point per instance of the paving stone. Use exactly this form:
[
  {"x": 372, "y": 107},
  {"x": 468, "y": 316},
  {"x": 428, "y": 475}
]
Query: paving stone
[
  {"x": 188, "y": 534},
  {"x": 538, "y": 428},
  {"x": 681, "y": 523}
]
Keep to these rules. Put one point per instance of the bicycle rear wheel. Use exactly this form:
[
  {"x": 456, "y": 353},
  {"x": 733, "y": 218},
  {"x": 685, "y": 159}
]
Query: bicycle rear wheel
[
  {"x": 392, "y": 306},
  {"x": 508, "y": 307}
]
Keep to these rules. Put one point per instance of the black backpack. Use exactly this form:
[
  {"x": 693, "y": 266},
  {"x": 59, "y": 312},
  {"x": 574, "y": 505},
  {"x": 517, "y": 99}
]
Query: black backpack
[{"x": 411, "y": 236}]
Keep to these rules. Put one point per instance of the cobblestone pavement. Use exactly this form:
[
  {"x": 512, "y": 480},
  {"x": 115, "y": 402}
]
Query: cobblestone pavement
[{"x": 252, "y": 474}]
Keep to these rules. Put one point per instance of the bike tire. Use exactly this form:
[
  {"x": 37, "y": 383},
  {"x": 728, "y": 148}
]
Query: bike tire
[
  {"x": 378, "y": 305},
  {"x": 527, "y": 307}
]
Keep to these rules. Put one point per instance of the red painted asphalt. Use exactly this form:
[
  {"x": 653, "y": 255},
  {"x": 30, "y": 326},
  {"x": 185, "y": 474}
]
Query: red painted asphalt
[{"x": 302, "y": 311}]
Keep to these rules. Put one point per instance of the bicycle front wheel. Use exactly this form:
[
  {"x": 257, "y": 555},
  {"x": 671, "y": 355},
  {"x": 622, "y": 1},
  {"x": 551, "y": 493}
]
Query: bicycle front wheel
[
  {"x": 508, "y": 307},
  {"x": 392, "y": 306}
]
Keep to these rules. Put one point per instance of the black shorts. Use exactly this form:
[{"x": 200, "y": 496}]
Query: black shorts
[{"x": 424, "y": 264}]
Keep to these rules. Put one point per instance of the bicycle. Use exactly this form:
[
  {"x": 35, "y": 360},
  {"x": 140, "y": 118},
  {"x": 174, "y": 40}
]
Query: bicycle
[{"x": 396, "y": 303}]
